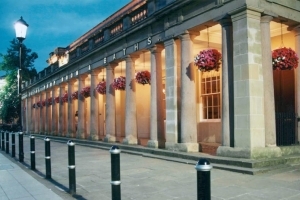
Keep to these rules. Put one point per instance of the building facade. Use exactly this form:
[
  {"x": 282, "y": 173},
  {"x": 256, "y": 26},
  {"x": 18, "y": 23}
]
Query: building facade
[{"x": 234, "y": 108}]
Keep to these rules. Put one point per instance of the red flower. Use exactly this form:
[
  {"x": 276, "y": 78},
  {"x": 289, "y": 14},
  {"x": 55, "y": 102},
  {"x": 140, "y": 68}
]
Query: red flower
[
  {"x": 56, "y": 99},
  {"x": 284, "y": 59},
  {"x": 208, "y": 60},
  {"x": 143, "y": 77},
  {"x": 64, "y": 98},
  {"x": 49, "y": 101},
  {"x": 74, "y": 95},
  {"x": 119, "y": 83},
  {"x": 85, "y": 92},
  {"x": 44, "y": 103},
  {"x": 101, "y": 87}
]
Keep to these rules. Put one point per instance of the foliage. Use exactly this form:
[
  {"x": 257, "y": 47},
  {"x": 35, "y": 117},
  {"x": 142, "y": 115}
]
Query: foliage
[{"x": 10, "y": 102}]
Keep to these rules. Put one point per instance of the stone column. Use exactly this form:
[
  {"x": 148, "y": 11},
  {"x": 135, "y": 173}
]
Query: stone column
[
  {"x": 110, "y": 110},
  {"x": 94, "y": 111},
  {"x": 37, "y": 114},
  {"x": 249, "y": 130},
  {"x": 61, "y": 115},
  {"x": 71, "y": 112},
  {"x": 227, "y": 84},
  {"x": 172, "y": 95},
  {"x": 54, "y": 117},
  {"x": 297, "y": 73},
  {"x": 269, "y": 102},
  {"x": 130, "y": 110},
  {"x": 81, "y": 127},
  {"x": 32, "y": 119},
  {"x": 47, "y": 114},
  {"x": 28, "y": 114},
  {"x": 157, "y": 132},
  {"x": 41, "y": 114},
  {"x": 188, "y": 120},
  {"x": 24, "y": 114}
]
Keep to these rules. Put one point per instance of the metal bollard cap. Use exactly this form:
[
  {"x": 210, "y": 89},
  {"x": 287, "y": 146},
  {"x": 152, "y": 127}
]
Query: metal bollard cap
[
  {"x": 71, "y": 143},
  {"x": 203, "y": 165},
  {"x": 31, "y": 136},
  {"x": 47, "y": 139},
  {"x": 115, "y": 150},
  {"x": 20, "y": 133}
]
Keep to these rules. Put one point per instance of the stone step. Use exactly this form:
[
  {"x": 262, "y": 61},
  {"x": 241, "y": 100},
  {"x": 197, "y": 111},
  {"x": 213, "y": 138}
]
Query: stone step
[{"x": 247, "y": 166}]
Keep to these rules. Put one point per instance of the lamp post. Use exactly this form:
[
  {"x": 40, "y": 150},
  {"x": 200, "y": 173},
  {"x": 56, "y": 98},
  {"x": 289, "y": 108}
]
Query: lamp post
[{"x": 21, "y": 29}]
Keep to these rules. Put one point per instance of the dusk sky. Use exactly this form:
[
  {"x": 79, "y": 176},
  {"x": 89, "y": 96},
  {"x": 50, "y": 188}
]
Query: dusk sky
[{"x": 55, "y": 23}]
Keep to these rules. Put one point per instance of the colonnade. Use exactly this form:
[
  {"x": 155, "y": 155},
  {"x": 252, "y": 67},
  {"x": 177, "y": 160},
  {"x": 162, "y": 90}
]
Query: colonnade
[{"x": 248, "y": 114}]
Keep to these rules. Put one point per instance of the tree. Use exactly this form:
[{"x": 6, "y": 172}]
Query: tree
[{"x": 10, "y": 103}]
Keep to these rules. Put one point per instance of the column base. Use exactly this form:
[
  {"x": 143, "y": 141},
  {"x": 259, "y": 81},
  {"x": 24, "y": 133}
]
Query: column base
[
  {"x": 109, "y": 138},
  {"x": 254, "y": 153},
  {"x": 152, "y": 144},
  {"x": 130, "y": 140},
  {"x": 183, "y": 147},
  {"x": 93, "y": 136}
]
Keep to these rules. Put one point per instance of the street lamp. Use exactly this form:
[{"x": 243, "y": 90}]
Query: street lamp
[{"x": 21, "y": 29}]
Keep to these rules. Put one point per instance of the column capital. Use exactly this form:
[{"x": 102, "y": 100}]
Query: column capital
[
  {"x": 131, "y": 58},
  {"x": 156, "y": 48},
  {"x": 169, "y": 42},
  {"x": 82, "y": 77},
  {"x": 188, "y": 35},
  {"x": 266, "y": 19},
  {"x": 95, "y": 72},
  {"x": 111, "y": 65},
  {"x": 226, "y": 21}
]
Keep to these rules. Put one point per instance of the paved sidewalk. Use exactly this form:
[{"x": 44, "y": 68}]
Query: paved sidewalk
[
  {"x": 15, "y": 183},
  {"x": 148, "y": 178}
]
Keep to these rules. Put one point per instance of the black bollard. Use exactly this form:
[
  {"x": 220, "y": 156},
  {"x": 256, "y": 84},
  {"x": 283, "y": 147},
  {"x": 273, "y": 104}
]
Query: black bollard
[
  {"x": 115, "y": 173},
  {"x": 32, "y": 152},
  {"x": 0, "y": 140},
  {"x": 47, "y": 158},
  {"x": 72, "y": 172},
  {"x": 203, "y": 168},
  {"x": 7, "y": 142},
  {"x": 13, "y": 145},
  {"x": 21, "y": 150},
  {"x": 3, "y": 141}
]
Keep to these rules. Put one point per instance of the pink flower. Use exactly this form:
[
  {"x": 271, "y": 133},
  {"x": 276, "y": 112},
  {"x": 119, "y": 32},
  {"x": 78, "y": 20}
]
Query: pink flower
[
  {"x": 101, "y": 87},
  {"x": 65, "y": 97},
  {"x": 119, "y": 83},
  {"x": 85, "y": 92},
  {"x": 284, "y": 59},
  {"x": 49, "y": 101},
  {"x": 208, "y": 60},
  {"x": 143, "y": 77},
  {"x": 74, "y": 95},
  {"x": 56, "y": 99}
]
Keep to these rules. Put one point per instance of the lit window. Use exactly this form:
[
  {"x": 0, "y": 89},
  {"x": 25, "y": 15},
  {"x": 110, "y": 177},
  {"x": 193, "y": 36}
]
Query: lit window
[{"x": 210, "y": 95}]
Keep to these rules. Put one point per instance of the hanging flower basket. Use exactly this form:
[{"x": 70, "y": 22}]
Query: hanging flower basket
[
  {"x": 284, "y": 59},
  {"x": 49, "y": 101},
  {"x": 101, "y": 87},
  {"x": 56, "y": 99},
  {"x": 85, "y": 92},
  {"x": 44, "y": 103},
  {"x": 39, "y": 104},
  {"x": 119, "y": 83},
  {"x": 208, "y": 60},
  {"x": 143, "y": 77},
  {"x": 34, "y": 105},
  {"x": 74, "y": 95},
  {"x": 64, "y": 98}
]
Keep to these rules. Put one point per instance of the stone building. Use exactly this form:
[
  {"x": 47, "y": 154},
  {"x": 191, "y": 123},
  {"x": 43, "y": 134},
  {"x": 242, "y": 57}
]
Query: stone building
[{"x": 236, "y": 109}]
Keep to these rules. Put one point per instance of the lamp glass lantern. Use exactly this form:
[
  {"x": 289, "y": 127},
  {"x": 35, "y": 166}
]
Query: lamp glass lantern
[{"x": 21, "y": 29}]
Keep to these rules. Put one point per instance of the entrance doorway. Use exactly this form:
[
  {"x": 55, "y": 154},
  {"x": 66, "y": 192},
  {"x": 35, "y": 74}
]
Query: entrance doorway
[{"x": 284, "y": 91}]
